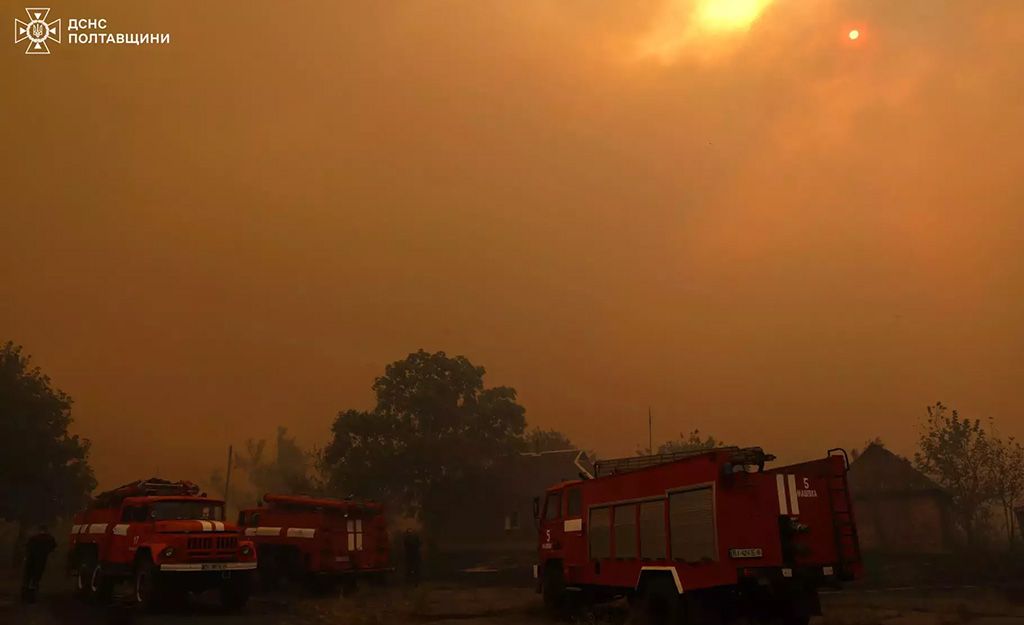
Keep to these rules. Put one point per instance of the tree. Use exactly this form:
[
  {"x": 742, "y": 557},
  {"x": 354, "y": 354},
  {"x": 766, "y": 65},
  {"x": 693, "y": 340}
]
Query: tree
[
  {"x": 538, "y": 440},
  {"x": 434, "y": 430},
  {"x": 240, "y": 495},
  {"x": 44, "y": 470},
  {"x": 1006, "y": 469},
  {"x": 691, "y": 441},
  {"x": 287, "y": 472},
  {"x": 958, "y": 453}
]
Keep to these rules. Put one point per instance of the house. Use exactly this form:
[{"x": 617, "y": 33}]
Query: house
[
  {"x": 898, "y": 509},
  {"x": 495, "y": 525}
]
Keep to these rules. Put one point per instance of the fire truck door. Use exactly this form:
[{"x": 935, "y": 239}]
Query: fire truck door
[
  {"x": 369, "y": 537},
  {"x": 335, "y": 538},
  {"x": 573, "y": 537},
  {"x": 125, "y": 535},
  {"x": 552, "y": 525}
]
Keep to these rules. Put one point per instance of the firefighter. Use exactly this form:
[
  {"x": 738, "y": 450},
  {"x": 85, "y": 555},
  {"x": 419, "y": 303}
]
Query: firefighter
[
  {"x": 37, "y": 551},
  {"x": 411, "y": 542}
]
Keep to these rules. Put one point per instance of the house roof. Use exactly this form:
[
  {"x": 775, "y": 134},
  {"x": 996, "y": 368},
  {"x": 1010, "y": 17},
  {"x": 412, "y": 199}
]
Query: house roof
[
  {"x": 879, "y": 471},
  {"x": 534, "y": 472}
]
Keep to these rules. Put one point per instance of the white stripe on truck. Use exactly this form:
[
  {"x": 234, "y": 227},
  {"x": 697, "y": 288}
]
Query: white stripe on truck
[
  {"x": 301, "y": 532},
  {"x": 263, "y": 531},
  {"x": 780, "y": 487},
  {"x": 794, "y": 504}
]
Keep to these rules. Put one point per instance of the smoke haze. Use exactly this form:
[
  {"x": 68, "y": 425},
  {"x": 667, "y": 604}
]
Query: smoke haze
[{"x": 774, "y": 234}]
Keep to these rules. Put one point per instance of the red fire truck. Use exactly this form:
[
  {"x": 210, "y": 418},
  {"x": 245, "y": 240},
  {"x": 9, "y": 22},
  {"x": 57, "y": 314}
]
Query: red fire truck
[
  {"x": 709, "y": 535},
  {"x": 318, "y": 540},
  {"x": 165, "y": 537}
]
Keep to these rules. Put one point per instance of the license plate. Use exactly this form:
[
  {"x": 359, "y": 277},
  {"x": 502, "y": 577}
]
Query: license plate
[
  {"x": 215, "y": 566},
  {"x": 746, "y": 553}
]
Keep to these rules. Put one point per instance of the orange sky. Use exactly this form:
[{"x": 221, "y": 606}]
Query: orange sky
[{"x": 770, "y": 234}]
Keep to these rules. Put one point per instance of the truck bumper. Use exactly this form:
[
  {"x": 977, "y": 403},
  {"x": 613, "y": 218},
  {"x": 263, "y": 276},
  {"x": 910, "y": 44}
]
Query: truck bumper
[{"x": 209, "y": 566}]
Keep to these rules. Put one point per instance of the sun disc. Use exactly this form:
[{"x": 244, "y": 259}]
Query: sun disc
[{"x": 719, "y": 15}]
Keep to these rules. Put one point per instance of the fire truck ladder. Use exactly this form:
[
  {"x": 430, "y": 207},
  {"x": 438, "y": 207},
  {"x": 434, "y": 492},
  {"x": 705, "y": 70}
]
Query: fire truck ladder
[
  {"x": 847, "y": 541},
  {"x": 741, "y": 455},
  {"x": 145, "y": 488}
]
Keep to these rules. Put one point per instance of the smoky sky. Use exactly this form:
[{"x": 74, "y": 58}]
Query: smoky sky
[{"x": 773, "y": 234}]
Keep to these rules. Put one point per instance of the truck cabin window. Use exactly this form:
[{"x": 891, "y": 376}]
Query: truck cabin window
[
  {"x": 134, "y": 514},
  {"x": 574, "y": 503},
  {"x": 553, "y": 507},
  {"x": 186, "y": 511}
]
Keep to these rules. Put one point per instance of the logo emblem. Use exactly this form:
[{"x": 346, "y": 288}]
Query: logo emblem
[{"x": 37, "y": 30}]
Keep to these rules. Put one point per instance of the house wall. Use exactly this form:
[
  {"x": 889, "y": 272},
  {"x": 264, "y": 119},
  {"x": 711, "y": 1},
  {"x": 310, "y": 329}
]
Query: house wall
[
  {"x": 496, "y": 515},
  {"x": 914, "y": 523},
  {"x": 499, "y": 521}
]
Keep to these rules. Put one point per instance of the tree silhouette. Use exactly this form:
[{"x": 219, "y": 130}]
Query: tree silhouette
[
  {"x": 435, "y": 429},
  {"x": 958, "y": 454},
  {"x": 44, "y": 470}
]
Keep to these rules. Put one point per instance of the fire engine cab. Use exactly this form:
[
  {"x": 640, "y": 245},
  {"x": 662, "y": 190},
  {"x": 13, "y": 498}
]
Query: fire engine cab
[
  {"x": 318, "y": 540},
  {"x": 709, "y": 535},
  {"x": 165, "y": 537}
]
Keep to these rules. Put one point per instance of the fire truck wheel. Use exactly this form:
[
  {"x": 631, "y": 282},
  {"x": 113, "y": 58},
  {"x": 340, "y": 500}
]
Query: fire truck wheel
[
  {"x": 147, "y": 587},
  {"x": 659, "y": 603},
  {"x": 234, "y": 593},
  {"x": 553, "y": 589},
  {"x": 100, "y": 586},
  {"x": 83, "y": 580}
]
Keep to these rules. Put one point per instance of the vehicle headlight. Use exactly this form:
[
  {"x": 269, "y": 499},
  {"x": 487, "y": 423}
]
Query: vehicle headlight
[
  {"x": 246, "y": 550},
  {"x": 168, "y": 552}
]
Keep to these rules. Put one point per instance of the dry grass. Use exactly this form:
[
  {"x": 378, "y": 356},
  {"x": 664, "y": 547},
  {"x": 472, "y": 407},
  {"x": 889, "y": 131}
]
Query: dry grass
[{"x": 440, "y": 604}]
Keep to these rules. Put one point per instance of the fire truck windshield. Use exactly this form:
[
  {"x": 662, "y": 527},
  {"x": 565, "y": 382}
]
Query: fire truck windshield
[{"x": 186, "y": 511}]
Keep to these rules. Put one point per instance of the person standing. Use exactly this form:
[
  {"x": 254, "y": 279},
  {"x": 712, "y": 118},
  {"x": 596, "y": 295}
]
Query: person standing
[
  {"x": 37, "y": 552},
  {"x": 411, "y": 542}
]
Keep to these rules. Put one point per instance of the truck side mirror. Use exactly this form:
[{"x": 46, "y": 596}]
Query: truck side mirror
[{"x": 536, "y": 508}]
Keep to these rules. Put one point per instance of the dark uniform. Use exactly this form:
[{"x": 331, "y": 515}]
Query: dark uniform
[
  {"x": 37, "y": 551},
  {"x": 411, "y": 542}
]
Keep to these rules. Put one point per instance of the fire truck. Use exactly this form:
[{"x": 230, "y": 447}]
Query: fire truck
[
  {"x": 708, "y": 535},
  {"x": 318, "y": 541},
  {"x": 166, "y": 538}
]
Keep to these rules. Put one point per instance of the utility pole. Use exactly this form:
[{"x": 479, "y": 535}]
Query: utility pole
[
  {"x": 227, "y": 478},
  {"x": 650, "y": 431}
]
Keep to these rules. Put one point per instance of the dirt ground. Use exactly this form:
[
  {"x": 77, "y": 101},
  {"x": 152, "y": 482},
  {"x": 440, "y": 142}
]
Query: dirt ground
[{"x": 448, "y": 604}]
